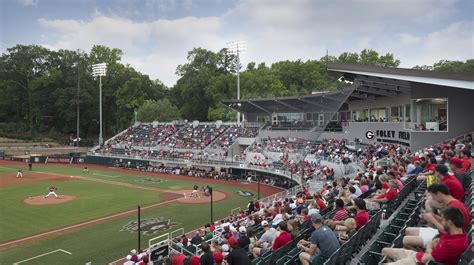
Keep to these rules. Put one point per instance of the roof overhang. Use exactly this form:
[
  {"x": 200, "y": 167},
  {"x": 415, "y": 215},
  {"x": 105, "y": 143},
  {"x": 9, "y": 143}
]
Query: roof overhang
[{"x": 457, "y": 80}]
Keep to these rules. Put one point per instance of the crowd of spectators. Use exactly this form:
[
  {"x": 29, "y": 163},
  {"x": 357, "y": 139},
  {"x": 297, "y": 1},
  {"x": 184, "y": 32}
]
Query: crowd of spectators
[
  {"x": 267, "y": 227},
  {"x": 228, "y": 137},
  {"x": 194, "y": 137}
]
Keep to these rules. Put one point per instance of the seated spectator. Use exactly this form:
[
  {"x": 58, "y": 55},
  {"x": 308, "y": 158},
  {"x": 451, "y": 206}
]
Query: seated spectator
[
  {"x": 345, "y": 231},
  {"x": 456, "y": 166},
  {"x": 319, "y": 200},
  {"x": 197, "y": 239},
  {"x": 206, "y": 258},
  {"x": 243, "y": 241},
  {"x": 465, "y": 155},
  {"x": 282, "y": 216},
  {"x": 264, "y": 243},
  {"x": 363, "y": 185},
  {"x": 341, "y": 213},
  {"x": 323, "y": 243},
  {"x": 422, "y": 236},
  {"x": 374, "y": 203},
  {"x": 344, "y": 196},
  {"x": 293, "y": 228},
  {"x": 429, "y": 169},
  {"x": 446, "y": 249},
  {"x": 352, "y": 192},
  {"x": 362, "y": 217},
  {"x": 283, "y": 237},
  {"x": 237, "y": 255},
  {"x": 454, "y": 187},
  {"x": 303, "y": 216}
]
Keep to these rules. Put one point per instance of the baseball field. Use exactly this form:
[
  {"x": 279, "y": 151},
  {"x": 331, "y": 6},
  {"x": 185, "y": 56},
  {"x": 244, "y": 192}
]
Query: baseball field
[{"x": 94, "y": 218}]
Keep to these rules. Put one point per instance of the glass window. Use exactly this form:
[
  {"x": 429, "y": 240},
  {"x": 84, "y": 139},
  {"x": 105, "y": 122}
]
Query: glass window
[
  {"x": 429, "y": 114},
  {"x": 378, "y": 115}
]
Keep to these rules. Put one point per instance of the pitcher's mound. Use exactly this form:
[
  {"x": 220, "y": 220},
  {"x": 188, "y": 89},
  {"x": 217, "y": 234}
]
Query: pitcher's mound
[
  {"x": 41, "y": 200},
  {"x": 216, "y": 196}
]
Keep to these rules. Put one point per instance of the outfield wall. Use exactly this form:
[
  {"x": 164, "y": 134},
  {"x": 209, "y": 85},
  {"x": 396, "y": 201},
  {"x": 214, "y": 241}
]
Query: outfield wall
[{"x": 235, "y": 168}]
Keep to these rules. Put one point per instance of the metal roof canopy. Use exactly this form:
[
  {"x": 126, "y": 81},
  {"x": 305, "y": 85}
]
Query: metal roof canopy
[{"x": 318, "y": 102}]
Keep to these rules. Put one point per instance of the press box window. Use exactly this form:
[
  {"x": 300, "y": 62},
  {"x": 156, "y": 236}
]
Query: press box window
[{"x": 429, "y": 114}]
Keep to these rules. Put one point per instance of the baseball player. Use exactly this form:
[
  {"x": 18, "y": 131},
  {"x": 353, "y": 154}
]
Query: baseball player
[
  {"x": 52, "y": 191},
  {"x": 85, "y": 170},
  {"x": 195, "y": 192},
  {"x": 19, "y": 174}
]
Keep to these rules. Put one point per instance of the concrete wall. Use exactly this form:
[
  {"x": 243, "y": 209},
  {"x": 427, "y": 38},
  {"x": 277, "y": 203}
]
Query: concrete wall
[{"x": 460, "y": 113}]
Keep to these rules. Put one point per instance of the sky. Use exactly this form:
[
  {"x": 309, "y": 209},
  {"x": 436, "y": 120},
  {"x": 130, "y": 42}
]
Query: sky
[{"x": 155, "y": 35}]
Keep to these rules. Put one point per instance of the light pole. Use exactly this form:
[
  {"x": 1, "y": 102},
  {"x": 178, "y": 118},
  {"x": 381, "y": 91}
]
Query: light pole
[
  {"x": 236, "y": 48},
  {"x": 99, "y": 70}
]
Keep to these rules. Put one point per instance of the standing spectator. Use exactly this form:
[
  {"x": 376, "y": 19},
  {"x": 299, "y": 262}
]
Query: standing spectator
[{"x": 323, "y": 243}]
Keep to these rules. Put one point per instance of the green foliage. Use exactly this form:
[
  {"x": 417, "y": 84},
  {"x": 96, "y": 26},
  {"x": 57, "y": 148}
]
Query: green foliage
[{"x": 161, "y": 110}]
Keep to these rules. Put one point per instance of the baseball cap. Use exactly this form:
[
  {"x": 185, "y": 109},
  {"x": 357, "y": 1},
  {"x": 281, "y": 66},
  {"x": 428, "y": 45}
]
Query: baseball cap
[
  {"x": 264, "y": 223},
  {"x": 129, "y": 257},
  {"x": 456, "y": 162},
  {"x": 316, "y": 217},
  {"x": 242, "y": 229},
  {"x": 232, "y": 242},
  {"x": 218, "y": 257},
  {"x": 195, "y": 260},
  {"x": 133, "y": 251}
]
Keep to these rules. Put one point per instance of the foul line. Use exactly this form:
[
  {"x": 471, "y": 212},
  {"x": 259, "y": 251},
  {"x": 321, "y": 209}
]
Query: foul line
[
  {"x": 35, "y": 257},
  {"x": 98, "y": 220}
]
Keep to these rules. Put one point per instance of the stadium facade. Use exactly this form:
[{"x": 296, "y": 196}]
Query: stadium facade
[{"x": 414, "y": 108}]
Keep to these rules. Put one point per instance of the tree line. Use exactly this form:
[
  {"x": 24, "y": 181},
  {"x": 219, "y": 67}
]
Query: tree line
[{"x": 41, "y": 88}]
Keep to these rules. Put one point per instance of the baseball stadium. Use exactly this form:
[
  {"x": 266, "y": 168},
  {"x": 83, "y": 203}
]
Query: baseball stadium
[{"x": 330, "y": 161}]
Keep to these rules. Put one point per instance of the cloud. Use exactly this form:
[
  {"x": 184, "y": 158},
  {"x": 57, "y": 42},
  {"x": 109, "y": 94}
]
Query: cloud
[
  {"x": 28, "y": 2},
  {"x": 419, "y": 32}
]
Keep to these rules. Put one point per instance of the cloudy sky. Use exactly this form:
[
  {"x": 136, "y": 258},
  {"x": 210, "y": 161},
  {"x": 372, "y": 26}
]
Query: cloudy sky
[{"x": 155, "y": 35}]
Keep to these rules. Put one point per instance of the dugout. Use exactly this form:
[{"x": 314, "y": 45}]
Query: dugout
[{"x": 410, "y": 107}]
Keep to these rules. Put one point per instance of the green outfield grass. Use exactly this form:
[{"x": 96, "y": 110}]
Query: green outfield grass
[{"x": 103, "y": 242}]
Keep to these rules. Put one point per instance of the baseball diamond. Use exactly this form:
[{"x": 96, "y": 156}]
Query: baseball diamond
[{"x": 236, "y": 132}]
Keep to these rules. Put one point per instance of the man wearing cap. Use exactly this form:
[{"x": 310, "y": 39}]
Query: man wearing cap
[
  {"x": 218, "y": 258},
  {"x": 456, "y": 166},
  {"x": 243, "y": 239},
  {"x": 264, "y": 243},
  {"x": 323, "y": 243},
  {"x": 237, "y": 255},
  {"x": 465, "y": 155}
]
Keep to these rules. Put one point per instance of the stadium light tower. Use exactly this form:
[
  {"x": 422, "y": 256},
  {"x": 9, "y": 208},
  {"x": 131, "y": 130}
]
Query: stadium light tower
[
  {"x": 236, "y": 48},
  {"x": 98, "y": 70}
]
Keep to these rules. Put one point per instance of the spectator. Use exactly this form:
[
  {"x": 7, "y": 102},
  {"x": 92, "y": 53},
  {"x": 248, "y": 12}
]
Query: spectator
[
  {"x": 197, "y": 239},
  {"x": 341, "y": 213},
  {"x": 374, "y": 203},
  {"x": 263, "y": 244},
  {"x": 446, "y": 249},
  {"x": 218, "y": 258},
  {"x": 243, "y": 240},
  {"x": 456, "y": 166},
  {"x": 454, "y": 186},
  {"x": 465, "y": 155},
  {"x": 361, "y": 217},
  {"x": 422, "y": 236},
  {"x": 206, "y": 258},
  {"x": 323, "y": 243},
  {"x": 237, "y": 255},
  {"x": 283, "y": 238}
]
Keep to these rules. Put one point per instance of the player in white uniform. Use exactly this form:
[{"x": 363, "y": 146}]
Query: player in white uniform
[
  {"x": 19, "y": 174},
  {"x": 52, "y": 191},
  {"x": 195, "y": 192}
]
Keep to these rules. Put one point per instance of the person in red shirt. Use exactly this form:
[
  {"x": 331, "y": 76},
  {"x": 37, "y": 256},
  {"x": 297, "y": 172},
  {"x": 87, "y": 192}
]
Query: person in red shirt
[
  {"x": 429, "y": 169},
  {"x": 319, "y": 200},
  {"x": 374, "y": 203},
  {"x": 422, "y": 236},
  {"x": 465, "y": 155},
  {"x": 283, "y": 238},
  {"x": 454, "y": 186},
  {"x": 341, "y": 213},
  {"x": 446, "y": 249},
  {"x": 362, "y": 217}
]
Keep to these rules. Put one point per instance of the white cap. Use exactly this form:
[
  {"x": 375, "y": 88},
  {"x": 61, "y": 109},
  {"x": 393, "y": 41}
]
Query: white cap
[
  {"x": 129, "y": 257},
  {"x": 133, "y": 251},
  {"x": 225, "y": 248},
  {"x": 366, "y": 174},
  {"x": 264, "y": 223},
  {"x": 242, "y": 229}
]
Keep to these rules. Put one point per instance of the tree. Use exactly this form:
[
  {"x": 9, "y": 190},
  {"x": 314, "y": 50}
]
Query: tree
[{"x": 161, "y": 110}]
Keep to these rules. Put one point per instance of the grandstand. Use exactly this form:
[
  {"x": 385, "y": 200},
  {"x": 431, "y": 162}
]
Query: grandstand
[{"x": 375, "y": 134}]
